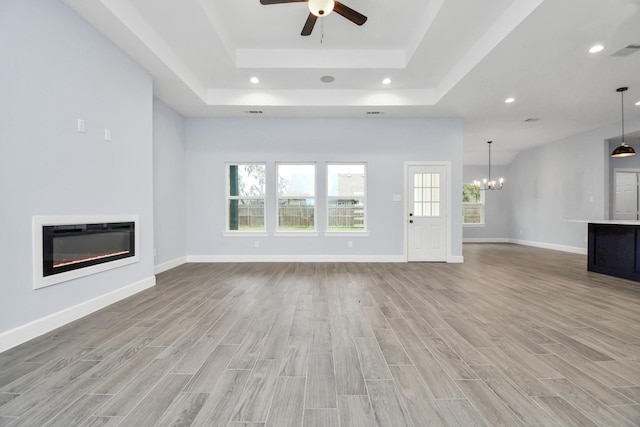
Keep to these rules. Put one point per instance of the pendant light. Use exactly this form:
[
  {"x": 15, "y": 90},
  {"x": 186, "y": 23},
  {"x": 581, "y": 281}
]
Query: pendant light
[
  {"x": 623, "y": 150},
  {"x": 489, "y": 184}
]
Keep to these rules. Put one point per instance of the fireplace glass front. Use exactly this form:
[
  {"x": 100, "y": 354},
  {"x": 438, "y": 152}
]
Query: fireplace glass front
[{"x": 74, "y": 246}]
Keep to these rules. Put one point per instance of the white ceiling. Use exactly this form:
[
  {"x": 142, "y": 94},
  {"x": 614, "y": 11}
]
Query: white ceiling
[{"x": 444, "y": 58}]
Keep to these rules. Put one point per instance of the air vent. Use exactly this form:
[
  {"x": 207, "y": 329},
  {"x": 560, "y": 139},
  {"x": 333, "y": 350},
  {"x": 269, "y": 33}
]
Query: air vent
[
  {"x": 627, "y": 50},
  {"x": 253, "y": 112},
  {"x": 374, "y": 113},
  {"x": 531, "y": 119}
]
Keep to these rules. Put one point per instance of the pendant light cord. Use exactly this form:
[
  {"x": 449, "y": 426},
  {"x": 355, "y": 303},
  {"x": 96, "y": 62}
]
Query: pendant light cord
[
  {"x": 622, "y": 105},
  {"x": 490, "y": 160}
]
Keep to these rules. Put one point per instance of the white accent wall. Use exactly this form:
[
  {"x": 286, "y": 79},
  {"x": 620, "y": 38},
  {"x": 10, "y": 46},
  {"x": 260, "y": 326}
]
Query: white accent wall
[
  {"x": 57, "y": 69},
  {"x": 384, "y": 144}
]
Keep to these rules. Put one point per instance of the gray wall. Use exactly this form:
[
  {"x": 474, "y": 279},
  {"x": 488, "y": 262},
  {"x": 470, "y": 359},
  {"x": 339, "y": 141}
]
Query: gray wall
[
  {"x": 632, "y": 162},
  {"x": 56, "y": 69},
  {"x": 496, "y": 226},
  {"x": 169, "y": 183},
  {"x": 555, "y": 186},
  {"x": 385, "y": 144}
]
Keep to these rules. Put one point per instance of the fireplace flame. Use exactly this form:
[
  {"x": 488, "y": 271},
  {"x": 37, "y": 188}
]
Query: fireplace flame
[{"x": 62, "y": 263}]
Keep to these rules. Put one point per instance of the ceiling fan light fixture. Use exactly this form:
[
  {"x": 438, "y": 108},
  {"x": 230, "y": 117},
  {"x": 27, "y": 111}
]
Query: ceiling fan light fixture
[{"x": 321, "y": 7}]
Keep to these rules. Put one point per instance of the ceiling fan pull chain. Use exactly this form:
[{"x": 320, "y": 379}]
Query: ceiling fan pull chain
[{"x": 321, "y": 31}]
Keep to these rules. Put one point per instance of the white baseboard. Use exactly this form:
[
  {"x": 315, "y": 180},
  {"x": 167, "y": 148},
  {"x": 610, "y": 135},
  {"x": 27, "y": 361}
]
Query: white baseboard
[
  {"x": 161, "y": 268},
  {"x": 486, "y": 240},
  {"x": 455, "y": 259},
  {"x": 572, "y": 249},
  {"x": 295, "y": 258},
  {"x": 46, "y": 324}
]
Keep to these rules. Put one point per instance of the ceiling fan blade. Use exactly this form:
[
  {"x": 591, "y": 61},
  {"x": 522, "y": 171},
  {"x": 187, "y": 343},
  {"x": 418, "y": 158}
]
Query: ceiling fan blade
[
  {"x": 353, "y": 16},
  {"x": 308, "y": 26},
  {"x": 281, "y": 1}
]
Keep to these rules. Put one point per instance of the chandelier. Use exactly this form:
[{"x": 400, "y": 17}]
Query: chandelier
[{"x": 489, "y": 184}]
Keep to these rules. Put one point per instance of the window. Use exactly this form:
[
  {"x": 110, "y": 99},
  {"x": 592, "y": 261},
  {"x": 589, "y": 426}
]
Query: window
[
  {"x": 296, "y": 197},
  {"x": 426, "y": 198},
  {"x": 245, "y": 197},
  {"x": 472, "y": 205},
  {"x": 346, "y": 195}
]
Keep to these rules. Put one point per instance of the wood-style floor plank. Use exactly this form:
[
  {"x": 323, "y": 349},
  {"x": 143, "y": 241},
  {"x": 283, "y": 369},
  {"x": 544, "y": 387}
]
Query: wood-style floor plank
[{"x": 513, "y": 336}]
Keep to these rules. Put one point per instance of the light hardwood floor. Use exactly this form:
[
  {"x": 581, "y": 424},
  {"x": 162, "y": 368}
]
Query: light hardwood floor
[{"x": 514, "y": 336}]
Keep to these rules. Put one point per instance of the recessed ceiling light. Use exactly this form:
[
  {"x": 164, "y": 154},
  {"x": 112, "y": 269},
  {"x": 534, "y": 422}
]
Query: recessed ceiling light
[
  {"x": 386, "y": 81},
  {"x": 596, "y": 48},
  {"x": 327, "y": 79},
  {"x": 254, "y": 80},
  {"x": 638, "y": 103},
  {"x": 509, "y": 100}
]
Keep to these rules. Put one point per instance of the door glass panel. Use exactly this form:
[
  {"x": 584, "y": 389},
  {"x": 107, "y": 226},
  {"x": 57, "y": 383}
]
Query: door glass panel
[{"x": 426, "y": 200}]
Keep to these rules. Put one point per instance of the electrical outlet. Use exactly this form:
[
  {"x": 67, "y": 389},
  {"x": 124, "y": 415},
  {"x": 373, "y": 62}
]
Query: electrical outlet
[
  {"x": 81, "y": 126},
  {"x": 256, "y": 244},
  {"x": 350, "y": 243}
]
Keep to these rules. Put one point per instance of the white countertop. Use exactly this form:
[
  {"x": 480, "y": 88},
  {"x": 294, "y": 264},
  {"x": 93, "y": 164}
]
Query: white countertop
[
  {"x": 614, "y": 222},
  {"x": 606, "y": 221}
]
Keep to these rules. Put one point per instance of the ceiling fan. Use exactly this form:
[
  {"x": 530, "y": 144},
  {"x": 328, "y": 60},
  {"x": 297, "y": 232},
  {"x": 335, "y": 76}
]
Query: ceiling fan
[{"x": 318, "y": 8}]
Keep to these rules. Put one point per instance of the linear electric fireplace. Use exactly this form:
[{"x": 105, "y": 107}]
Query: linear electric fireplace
[{"x": 67, "y": 248}]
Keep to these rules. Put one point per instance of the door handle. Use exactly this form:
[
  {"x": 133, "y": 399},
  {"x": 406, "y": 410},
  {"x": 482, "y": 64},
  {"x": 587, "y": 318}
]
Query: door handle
[{"x": 410, "y": 214}]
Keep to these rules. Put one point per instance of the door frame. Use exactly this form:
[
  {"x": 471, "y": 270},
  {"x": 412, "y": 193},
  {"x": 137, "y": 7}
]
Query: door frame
[
  {"x": 447, "y": 165},
  {"x": 613, "y": 186}
]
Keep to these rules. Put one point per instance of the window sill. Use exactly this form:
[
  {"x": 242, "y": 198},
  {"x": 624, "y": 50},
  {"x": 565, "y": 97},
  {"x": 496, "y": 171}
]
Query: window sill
[
  {"x": 245, "y": 234},
  {"x": 296, "y": 234},
  {"x": 346, "y": 234},
  {"x": 473, "y": 225}
]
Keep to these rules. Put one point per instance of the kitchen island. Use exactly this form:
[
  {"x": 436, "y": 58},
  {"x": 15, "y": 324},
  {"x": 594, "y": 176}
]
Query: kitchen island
[{"x": 614, "y": 248}]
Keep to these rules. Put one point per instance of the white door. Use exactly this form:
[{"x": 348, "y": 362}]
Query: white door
[
  {"x": 427, "y": 213},
  {"x": 626, "y": 196}
]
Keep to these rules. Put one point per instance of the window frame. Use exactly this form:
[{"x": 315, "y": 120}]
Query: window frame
[
  {"x": 283, "y": 232},
  {"x": 328, "y": 198},
  {"x": 229, "y": 197},
  {"x": 481, "y": 203}
]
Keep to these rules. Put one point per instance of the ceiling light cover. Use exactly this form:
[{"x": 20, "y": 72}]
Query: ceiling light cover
[
  {"x": 596, "y": 48},
  {"x": 321, "y": 7}
]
